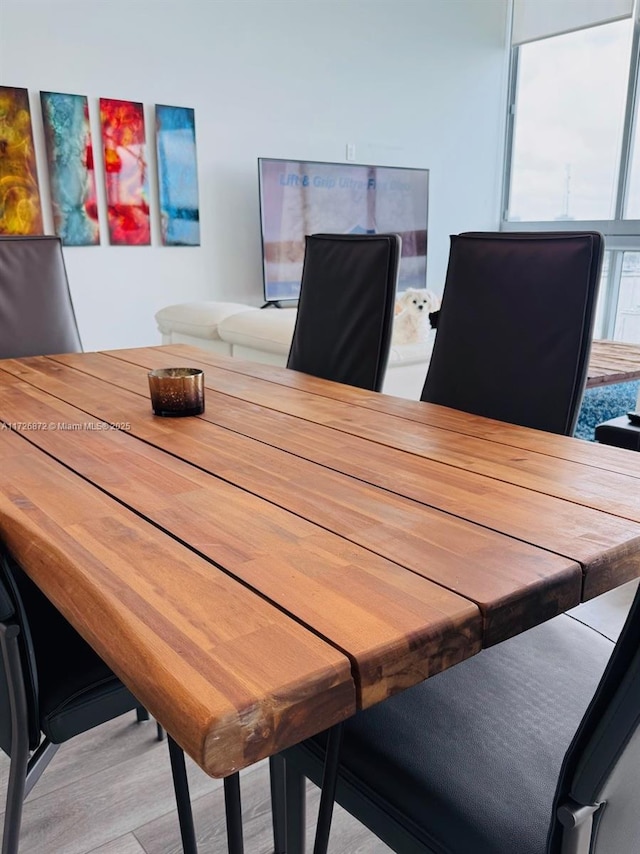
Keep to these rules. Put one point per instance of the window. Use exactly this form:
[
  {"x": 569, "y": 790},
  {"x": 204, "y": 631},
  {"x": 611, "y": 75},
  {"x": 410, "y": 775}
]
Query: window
[
  {"x": 599, "y": 324},
  {"x": 571, "y": 94},
  {"x": 632, "y": 208},
  {"x": 627, "y": 326},
  {"x": 573, "y": 154}
]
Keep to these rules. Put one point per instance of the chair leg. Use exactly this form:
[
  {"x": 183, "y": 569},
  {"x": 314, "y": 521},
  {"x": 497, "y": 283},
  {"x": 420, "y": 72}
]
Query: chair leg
[
  {"x": 38, "y": 762},
  {"x": 233, "y": 810},
  {"x": 15, "y": 799},
  {"x": 295, "y": 812},
  {"x": 19, "y": 739},
  {"x": 328, "y": 795},
  {"x": 24, "y": 773},
  {"x": 278, "y": 803},
  {"x": 183, "y": 802},
  {"x": 143, "y": 715}
]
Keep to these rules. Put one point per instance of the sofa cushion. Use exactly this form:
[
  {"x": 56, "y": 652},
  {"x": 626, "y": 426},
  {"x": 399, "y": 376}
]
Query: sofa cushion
[
  {"x": 411, "y": 354},
  {"x": 248, "y": 332},
  {"x": 200, "y": 319},
  {"x": 269, "y": 329}
]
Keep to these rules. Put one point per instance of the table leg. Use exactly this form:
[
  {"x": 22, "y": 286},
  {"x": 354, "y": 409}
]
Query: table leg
[
  {"x": 295, "y": 787},
  {"x": 233, "y": 810},
  {"x": 183, "y": 802},
  {"x": 277, "y": 772}
]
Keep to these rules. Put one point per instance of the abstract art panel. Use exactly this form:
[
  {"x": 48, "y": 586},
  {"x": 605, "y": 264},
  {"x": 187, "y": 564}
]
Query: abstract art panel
[
  {"x": 20, "y": 210},
  {"x": 71, "y": 173},
  {"x": 177, "y": 176},
  {"x": 125, "y": 166}
]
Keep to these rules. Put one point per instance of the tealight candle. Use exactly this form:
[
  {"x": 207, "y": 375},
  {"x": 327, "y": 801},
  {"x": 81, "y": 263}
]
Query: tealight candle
[{"x": 177, "y": 392}]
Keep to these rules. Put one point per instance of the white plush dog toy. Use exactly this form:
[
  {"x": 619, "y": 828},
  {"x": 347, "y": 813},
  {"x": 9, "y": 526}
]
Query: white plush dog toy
[{"x": 411, "y": 321}]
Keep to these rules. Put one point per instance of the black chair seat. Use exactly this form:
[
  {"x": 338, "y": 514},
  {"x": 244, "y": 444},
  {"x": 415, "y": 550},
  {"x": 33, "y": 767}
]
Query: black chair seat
[
  {"x": 75, "y": 688},
  {"x": 75, "y": 705},
  {"x": 473, "y": 754}
]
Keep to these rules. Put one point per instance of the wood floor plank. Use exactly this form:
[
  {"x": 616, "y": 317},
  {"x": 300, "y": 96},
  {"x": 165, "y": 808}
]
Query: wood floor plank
[
  {"x": 109, "y": 791},
  {"x": 124, "y": 845},
  {"x": 98, "y": 806},
  {"x": 98, "y": 750},
  {"x": 347, "y": 835}
]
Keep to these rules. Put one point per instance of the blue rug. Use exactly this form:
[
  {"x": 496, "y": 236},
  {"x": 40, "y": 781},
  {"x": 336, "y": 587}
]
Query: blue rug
[{"x": 602, "y": 403}]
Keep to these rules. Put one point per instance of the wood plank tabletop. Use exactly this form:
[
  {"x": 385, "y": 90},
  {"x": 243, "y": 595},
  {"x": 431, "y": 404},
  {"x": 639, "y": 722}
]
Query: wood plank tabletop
[
  {"x": 146, "y": 607},
  {"x": 299, "y": 551},
  {"x": 384, "y": 522},
  {"x": 613, "y": 362},
  {"x": 442, "y": 468},
  {"x": 430, "y": 414}
]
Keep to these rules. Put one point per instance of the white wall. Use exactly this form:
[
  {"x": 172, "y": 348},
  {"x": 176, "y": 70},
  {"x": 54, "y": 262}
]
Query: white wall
[{"x": 411, "y": 82}]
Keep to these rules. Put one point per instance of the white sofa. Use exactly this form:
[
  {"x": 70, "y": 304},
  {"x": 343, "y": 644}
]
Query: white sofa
[{"x": 264, "y": 335}]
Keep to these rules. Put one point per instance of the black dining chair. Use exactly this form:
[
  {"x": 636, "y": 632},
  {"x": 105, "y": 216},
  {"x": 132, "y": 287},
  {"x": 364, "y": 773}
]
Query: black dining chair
[
  {"x": 531, "y": 746},
  {"x": 515, "y": 326},
  {"x": 514, "y": 333},
  {"x": 36, "y": 311},
  {"x": 346, "y": 307}
]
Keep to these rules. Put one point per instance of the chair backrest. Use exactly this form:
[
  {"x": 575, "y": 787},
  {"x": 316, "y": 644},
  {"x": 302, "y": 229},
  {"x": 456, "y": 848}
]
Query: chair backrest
[
  {"x": 36, "y": 312},
  {"x": 346, "y": 306},
  {"x": 515, "y": 327},
  {"x": 601, "y": 765}
]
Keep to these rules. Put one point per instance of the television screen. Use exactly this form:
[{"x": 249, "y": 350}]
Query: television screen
[{"x": 299, "y": 198}]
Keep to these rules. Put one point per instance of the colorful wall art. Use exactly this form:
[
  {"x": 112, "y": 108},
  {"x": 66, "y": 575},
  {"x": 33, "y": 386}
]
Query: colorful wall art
[
  {"x": 71, "y": 174},
  {"x": 125, "y": 166},
  {"x": 20, "y": 210},
  {"x": 177, "y": 176}
]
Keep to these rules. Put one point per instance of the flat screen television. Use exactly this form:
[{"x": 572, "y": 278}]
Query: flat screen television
[{"x": 301, "y": 197}]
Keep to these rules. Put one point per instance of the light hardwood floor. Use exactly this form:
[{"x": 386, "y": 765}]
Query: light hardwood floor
[{"x": 110, "y": 792}]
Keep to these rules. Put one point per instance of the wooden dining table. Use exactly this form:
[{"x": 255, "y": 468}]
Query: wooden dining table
[
  {"x": 613, "y": 362},
  {"x": 301, "y": 550}
]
